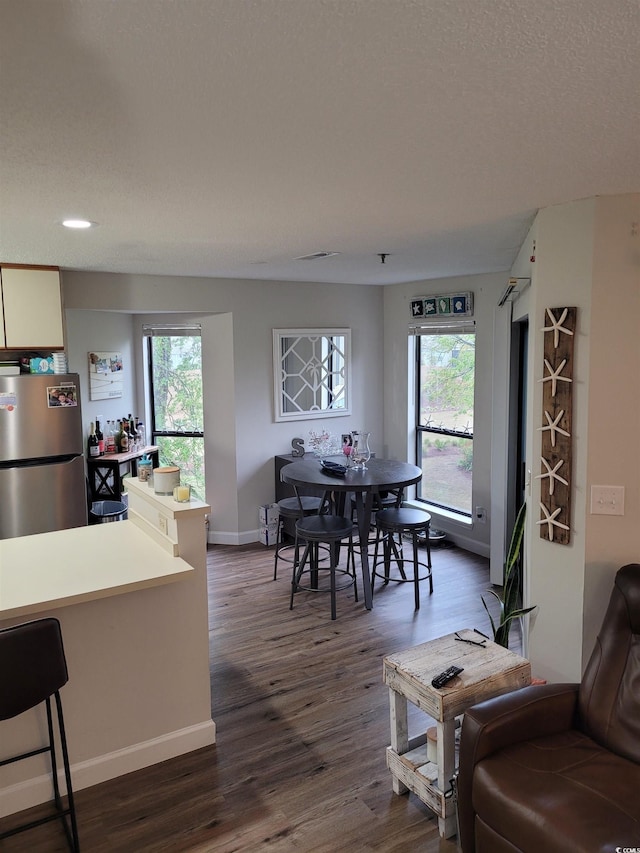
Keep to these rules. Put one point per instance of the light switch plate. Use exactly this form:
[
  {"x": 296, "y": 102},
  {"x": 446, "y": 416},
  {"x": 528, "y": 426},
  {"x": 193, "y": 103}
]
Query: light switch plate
[{"x": 607, "y": 500}]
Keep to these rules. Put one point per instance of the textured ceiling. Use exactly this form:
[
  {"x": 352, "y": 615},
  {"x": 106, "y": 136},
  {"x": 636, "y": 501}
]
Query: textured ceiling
[{"x": 228, "y": 137}]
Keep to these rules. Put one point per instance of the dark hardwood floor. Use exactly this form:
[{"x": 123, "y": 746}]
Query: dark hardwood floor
[{"x": 302, "y": 722}]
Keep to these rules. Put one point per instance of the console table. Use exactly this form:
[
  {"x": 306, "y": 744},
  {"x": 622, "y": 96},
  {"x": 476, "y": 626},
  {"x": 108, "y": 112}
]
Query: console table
[{"x": 106, "y": 472}]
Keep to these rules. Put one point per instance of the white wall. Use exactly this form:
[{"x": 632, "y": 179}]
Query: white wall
[
  {"x": 237, "y": 321},
  {"x": 614, "y": 400},
  {"x": 586, "y": 256},
  {"x": 487, "y": 290},
  {"x": 101, "y": 332},
  {"x": 561, "y": 277}
]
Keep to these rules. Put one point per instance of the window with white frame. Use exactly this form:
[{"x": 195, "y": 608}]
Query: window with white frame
[{"x": 444, "y": 389}]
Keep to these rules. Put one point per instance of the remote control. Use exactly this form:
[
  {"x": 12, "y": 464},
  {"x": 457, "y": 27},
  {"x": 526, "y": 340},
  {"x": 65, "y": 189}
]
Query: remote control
[{"x": 440, "y": 680}]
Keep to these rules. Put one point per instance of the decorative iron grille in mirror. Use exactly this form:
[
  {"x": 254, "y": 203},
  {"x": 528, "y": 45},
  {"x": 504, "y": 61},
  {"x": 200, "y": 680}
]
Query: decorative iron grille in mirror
[{"x": 311, "y": 370}]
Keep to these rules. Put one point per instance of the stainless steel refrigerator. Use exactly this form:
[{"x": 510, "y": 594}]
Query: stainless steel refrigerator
[{"x": 42, "y": 467}]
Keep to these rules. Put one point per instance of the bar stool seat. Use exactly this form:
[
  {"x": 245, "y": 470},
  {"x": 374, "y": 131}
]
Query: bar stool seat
[
  {"x": 32, "y": 671},
  {"x": 402, "y": 521},
  {"x": 329, "y": 530},
  {"x": 296, "y": 507}
]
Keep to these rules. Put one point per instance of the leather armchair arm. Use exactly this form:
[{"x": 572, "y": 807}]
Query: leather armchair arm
[{"x": 500, "y": 722}]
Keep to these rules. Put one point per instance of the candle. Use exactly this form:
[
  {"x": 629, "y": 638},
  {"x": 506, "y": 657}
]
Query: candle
[{"x": 182, "y": 494}]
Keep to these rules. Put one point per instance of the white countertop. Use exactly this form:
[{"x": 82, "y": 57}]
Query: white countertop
[{"x": 50, "y": 570}]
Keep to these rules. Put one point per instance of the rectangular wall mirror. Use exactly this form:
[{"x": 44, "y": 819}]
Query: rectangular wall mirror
[{"x": 311, "y": 370}]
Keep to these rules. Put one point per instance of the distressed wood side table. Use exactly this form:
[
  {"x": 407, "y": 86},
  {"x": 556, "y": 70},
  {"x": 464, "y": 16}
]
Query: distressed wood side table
[{"x": 488, "y": 670}]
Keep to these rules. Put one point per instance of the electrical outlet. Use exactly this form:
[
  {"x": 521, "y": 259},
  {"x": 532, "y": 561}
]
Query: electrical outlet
[
  {"x": 162, "y": 523},
  {"x": 607, "y": 500},
  {"x": 481, "y": 514}
]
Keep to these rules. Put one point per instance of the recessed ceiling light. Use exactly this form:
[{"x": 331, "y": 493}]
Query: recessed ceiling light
[{"x": 77, "y": 223}]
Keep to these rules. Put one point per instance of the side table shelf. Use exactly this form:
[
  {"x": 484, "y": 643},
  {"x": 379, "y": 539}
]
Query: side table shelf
[
  {"x": 414, "y": 770},
  {"x": 488, "y": 670}
]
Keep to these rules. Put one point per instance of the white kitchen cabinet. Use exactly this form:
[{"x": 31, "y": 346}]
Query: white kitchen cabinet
[{"x": 32, "y": 303}]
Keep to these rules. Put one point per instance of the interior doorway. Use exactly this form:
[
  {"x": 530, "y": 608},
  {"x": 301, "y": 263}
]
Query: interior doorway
[{"x": 519, "y": 345}]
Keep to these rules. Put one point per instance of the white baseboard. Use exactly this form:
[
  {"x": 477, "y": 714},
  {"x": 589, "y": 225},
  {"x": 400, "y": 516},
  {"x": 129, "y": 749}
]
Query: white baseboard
[
  {"x": 30, "y": 793},
  {"x": 221, "y": 537}
]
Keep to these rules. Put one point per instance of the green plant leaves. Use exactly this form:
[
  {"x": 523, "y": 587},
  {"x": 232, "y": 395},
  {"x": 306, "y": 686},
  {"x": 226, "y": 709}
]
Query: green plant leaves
[{"x": 509, "y": 599}]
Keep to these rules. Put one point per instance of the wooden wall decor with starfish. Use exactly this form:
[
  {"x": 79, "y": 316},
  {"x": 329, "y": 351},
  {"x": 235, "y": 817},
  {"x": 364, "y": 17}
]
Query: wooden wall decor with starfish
[{"x": 557, "y": 399}]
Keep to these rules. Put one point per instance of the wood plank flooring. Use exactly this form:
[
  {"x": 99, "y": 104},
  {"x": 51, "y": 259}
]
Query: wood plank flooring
[{"x": 302, "y": 722}]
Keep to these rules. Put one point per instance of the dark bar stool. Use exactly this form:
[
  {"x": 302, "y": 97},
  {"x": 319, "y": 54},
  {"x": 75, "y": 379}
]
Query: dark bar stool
[
  {"x": 330, "y": 530},
  {"x": 401, "y": 521},
  {"x": 32, "y": 670},
  {"x": 294, "y": 508}
]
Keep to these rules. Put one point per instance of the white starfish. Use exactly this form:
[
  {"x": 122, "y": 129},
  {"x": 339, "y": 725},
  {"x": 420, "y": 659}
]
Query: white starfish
[
  {"x": 556, "y": 326},
  {"x": 550, "y": 520},
  {"x": 552, "y": 426},
  {"x": 554, "y": 375},
  {"x": 552, "y": 474}
]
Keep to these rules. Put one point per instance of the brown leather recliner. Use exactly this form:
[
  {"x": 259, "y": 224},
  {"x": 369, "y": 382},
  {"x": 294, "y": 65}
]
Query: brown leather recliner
[{"x": 556, "y": 768}]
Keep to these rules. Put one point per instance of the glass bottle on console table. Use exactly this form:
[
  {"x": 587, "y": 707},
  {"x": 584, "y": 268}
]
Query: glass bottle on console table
[
  {"x": 133, "y": 436},
  {"x": 110, "y": 437},
  {"x": 92, "y": 443},
  {"x": 100, "y": 437},
  {"x": 123, "y": 438},
  {"x": 126, "y": 431}
]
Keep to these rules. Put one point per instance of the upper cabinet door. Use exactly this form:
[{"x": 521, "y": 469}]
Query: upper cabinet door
[{"x": 32, "y": 308}]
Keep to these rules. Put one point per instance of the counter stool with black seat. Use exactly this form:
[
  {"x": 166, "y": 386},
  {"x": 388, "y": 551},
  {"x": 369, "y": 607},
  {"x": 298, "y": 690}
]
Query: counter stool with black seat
[
  {"x": 295, "y": 508},
  {"x": 330, "y": 530},
  {"x": 402, "y": 521},
  {"x": 32, "y": 671}
]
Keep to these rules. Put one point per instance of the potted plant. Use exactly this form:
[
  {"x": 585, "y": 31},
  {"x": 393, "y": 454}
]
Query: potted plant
[{"x": 509, "y": 598}]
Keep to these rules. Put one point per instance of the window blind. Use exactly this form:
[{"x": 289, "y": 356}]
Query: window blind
[
  {"x": 444, "y": 327},
  {"x": 171, "y": 330}
]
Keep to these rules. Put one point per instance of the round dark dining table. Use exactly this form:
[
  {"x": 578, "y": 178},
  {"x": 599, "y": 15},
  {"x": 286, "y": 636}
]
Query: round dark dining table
[{"x": 380, "y": 475}]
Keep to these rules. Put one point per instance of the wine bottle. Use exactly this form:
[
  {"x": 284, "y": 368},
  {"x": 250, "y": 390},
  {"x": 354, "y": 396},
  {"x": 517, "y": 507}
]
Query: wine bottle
[
  {"x": 100, "y": 437},
  {"x": 132, "y": 429},
  {"x": 92, "y": 443},
  {"x": 124, "y": 437}
]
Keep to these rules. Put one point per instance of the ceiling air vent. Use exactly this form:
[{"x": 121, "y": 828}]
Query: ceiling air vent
[{"x": 316, "y": 256}]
